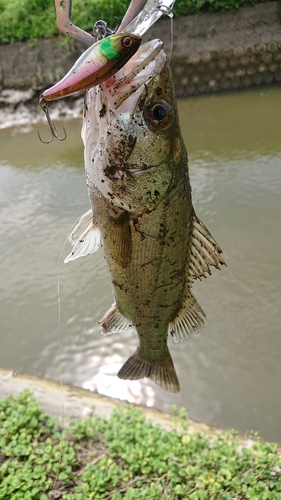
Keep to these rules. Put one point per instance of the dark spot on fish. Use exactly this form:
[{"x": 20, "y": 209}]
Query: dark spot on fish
[
  {"x": 158, "y": 91},
  {"x": 174, "y": 276},
  {"x": 102, "y": 180},
  {"x": 162, "y": 232},
  {"x": 102, "y": 111},
  {"x": 110, "y": 170},
  {"x": 146, "y": 302},
  {"x": 135, "y": 222},
  {"x": 120, "y": 286},
  {"x": 153, "y": 261},
  {"x": 132, "y": 140},
  {"x": 156, "y": 193},
  {"x": 111, "y": 195}
]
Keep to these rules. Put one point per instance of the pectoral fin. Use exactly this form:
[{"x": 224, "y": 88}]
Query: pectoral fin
[
  {"x": 205, "y": 252},
  {"x": 114, "y": 322},
  {"x": 85, "y": 237},
  {"x": 120, "y": 238}
]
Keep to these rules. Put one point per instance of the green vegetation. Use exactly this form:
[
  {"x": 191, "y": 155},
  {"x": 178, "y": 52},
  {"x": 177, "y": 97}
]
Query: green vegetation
[
  {"x": 26, "y": 19},
  {"x": 126, "y": 457}
]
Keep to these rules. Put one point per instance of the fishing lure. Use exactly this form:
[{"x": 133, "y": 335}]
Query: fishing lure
[{"x": 98, "y": 63}]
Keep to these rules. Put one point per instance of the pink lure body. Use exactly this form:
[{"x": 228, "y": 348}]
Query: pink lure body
[{"x": 98, "y": 63}]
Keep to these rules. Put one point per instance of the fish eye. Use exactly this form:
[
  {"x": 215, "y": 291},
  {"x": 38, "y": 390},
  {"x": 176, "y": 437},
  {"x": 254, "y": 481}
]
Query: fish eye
[
  {"x": 159, "y": 114},
  {"x": 127, "y": 42}
]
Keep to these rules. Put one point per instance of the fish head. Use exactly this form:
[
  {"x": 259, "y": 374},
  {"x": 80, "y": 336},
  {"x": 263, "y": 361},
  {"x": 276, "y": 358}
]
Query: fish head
[{"x": 131, "y": 132}]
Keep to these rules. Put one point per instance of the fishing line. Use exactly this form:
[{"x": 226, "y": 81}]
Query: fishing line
[
  {"x": 171, "y": 37},
  {"x": 169, "y": 13},
  {"x": 59, "y": 351}
]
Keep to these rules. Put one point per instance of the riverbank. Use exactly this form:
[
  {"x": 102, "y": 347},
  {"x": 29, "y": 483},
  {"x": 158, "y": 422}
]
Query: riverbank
[
  {"x": 78, "y": 403},
  {"x": 211, "y": 52},
  {"x": 74, "y": 402}
]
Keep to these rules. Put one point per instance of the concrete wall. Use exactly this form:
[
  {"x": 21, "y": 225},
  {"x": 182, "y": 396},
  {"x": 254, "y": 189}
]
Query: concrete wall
[
  {"x": 224, "y": 51},
  {"x": 211, "y": 52}
]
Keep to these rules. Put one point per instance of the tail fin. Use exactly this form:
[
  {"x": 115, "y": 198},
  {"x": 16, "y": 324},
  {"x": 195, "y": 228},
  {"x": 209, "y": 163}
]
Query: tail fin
[{"x": 161, "y": 372}]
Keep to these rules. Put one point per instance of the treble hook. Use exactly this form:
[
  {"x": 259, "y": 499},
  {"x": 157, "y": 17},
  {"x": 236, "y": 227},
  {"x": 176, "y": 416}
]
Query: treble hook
[{"x": 44, "y": 106}]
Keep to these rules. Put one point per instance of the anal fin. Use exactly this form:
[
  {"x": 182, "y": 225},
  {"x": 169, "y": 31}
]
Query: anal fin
[
  {"x": 162, "y": 372},
  {"x": 114, "y": 322},
  {"x": 85, "y": 237},
  {"x": 189, "y": 319},
  {"x": 205, "y": 252}
]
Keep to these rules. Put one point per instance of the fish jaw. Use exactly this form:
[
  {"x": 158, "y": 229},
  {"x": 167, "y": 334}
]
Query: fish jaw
[{"x": 114, "y": 131}]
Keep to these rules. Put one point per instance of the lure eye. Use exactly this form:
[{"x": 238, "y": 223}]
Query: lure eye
[
  {"x": 159, "y": 115},
  {"x": 127, "y": 42}
]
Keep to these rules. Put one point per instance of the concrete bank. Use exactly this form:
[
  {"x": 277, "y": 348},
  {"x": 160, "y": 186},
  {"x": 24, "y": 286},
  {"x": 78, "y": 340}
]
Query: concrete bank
[
  {"x": 211, "y": 52},
  {"x": 79, "y": 402}
]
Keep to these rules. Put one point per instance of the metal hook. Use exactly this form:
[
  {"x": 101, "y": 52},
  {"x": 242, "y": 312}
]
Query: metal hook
[
  {"x": 63, "y": 13},
  {"x": 167, "y": 11},
  {"x": 44, "y": 106}
]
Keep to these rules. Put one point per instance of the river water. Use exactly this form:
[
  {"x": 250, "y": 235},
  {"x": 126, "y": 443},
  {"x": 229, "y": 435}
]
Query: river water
[{"x": 230, "y": 373}]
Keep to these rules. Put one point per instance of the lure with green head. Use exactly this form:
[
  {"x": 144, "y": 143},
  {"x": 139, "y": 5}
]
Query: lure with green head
[{"x": 98, "y": 63}]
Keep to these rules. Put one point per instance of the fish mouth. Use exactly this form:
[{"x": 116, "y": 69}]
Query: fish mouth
[{"x": 125, "y": 87}]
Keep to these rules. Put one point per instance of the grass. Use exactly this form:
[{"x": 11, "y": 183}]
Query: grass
[
  {"x": 28, "y": 19},
  {"x": 126, "y": 457}
]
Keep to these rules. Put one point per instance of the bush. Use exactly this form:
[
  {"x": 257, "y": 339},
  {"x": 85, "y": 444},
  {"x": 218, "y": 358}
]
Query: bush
[
  {"x": 126, "y": 457},
  {"x": 27, "y": 19}
]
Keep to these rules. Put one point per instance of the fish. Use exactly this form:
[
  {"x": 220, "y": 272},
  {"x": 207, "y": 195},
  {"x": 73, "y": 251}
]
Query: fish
[
  {"x": 142, "y": 214},
  {"x": 98, "y": 63}
]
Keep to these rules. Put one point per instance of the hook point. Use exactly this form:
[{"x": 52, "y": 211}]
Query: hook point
[{"x": 44, "y": 105}]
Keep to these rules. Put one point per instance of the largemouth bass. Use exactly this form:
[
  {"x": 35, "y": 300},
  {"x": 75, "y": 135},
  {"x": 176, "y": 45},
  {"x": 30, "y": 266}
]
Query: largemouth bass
[{"x": 142, "y": 213}]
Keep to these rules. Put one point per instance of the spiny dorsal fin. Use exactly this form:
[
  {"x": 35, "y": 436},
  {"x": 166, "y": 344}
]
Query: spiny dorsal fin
[
  {"x": 161, "y": 372},
  {"x": 189, "y": 320},
  {"x": 114, "y": 322},
  {"x": 205, "y": 252},
  {"x": 85, "y": 237}
]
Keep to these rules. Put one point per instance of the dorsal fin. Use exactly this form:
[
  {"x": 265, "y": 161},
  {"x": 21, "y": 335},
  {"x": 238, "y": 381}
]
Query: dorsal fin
[
  {"x": 205, "y": 252},
  {"x": 85, "y": 237},
  {"x": 114, "y": 321},
  {"x": 189, "y": 319}
]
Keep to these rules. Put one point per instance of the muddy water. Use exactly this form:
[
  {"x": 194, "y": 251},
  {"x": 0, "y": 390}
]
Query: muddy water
[{"x": 230, "y": 373}]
